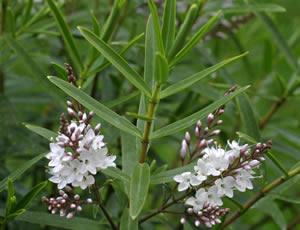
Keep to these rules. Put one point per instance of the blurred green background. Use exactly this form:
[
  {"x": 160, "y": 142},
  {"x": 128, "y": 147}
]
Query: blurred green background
[{"x": 269, "y": 68}]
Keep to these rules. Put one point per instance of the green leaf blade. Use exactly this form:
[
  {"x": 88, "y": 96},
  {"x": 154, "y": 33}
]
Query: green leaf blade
[
  {"x": 168, "y": 24},
  {"x": 127, "y": 223},
  {"x": 189, "y": 81},
  {"x": 46, "y": 133},
  {"x": 192, "y": 119},
  {"x": 131, "y": 75},
  {"x": 139, "y": 186},
  {"x": 101, "y": 110}
]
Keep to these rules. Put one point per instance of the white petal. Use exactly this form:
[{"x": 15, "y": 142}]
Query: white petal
[{"x": 183, "y": 186}]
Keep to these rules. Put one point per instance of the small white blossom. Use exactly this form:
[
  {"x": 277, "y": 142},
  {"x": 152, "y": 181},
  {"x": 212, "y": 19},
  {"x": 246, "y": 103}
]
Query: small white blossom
[
  {"x": 213, "y": 197},
  {"x": 243, "y": 180},
  {"x": 225, "y": 186},
  {"x": 185, "y": 180}
]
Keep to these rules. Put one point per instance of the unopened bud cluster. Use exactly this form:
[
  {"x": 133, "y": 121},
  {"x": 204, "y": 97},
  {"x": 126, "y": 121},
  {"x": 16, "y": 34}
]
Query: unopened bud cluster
[
  {"x": 78, "y": 152},
  {"x": 218, "y": 172},
  {"x": 66, "y": 204}
]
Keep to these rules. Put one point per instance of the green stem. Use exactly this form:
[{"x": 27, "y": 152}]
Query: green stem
[
  {"x": 2, "y": 29},
  {"x": 150, "y": 114},
  {"x": 260, "y": 195}
]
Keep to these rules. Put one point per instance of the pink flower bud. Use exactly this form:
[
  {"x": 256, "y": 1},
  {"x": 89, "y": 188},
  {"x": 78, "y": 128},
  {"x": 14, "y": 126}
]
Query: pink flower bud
[
  {"x": 97, "y": 128},
  {"x": 221, "y": 111},
  {"x": 65, "y": 196},
  {"x": 73, "y": 206},
  {"x": 190, "y": 211},
  {"x": 182, "y": 220},
  {"x": 208, "y": 224},
  {"x": 210, "y": 117},
  {"x": 197, "y": 223},
  {"x": 84, "y": 117},
  {"x": 197, "y": 132},
  {"x": 54, "y": 211},
  {"x": 70, "y": 215},
  {"x": 187, "y": 138},
  {"x": 258, "y": 145},
  {"x": 89, "y": 201},
  {"x": 62, "y": 212},
  {"x": 261, "y": 159},
  {"x": 204, "y": 218},
  {"x": 219, "y": 122},
  {"x": 247, "y": 167},
  {"x": 79, "y": 208},
  {"x": 71, "y": 112},
  {"x": 70, "y": 104},
  {"x": 76, "y": 197},
  {"x": 244, "y": 148},
  {"x": 206, "y": 130},
  {"x": 254, "y": 163},
  {"x": 212, "y": 222},
  {"x": 199, "y": 124},
  {"x": 80, "y": 114},
  {"x": 215, "y": 132},
  {"x": 218, "y": 221},
  {"x": 91, "y": 115}
]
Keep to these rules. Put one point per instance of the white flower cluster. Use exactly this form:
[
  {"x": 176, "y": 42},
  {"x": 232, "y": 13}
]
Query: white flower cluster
[
  {"x": 77, "y": 155},
  {"x": 218, "y": 173}
]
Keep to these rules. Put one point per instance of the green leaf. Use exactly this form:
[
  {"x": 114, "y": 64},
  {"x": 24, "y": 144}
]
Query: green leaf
[
  {"x": 194, "y": 40},
  {"x": 168, "y": 24},
  {"x": 246, "y": 137},
  {"x": 66, "y": 34},
  {"x": 116, "y": 173},
  {"x": 37, "y": 73},
  {"x": 112, "y": 56},
  {"x": 248, "y": 117},
  {"x": 46, "y": 133},
  {"x": 279, "y": 41},
  {"x": 101, "y": 110},
  {"x": 129, "y": 153},
  {"x": 167, "y": 176},
  {"x": 11, "y": 22},
  {"x": 121, "y": 100},
  {"x": 41, "y": 218},
  {"x": 17, "y": 173},
  {"x": 241, "y": 8},
  {"x": 183, "y": 31},
  {"x": 127, "y": 223},
  {"x": 192, "y": 119},
  {"x": 161, "y": 68},
  {"x": 23, "y": 203},
  {"x": 15, "y": 214},
  {"x": 27, "y": 12},
  {"x": 157, "y": 32},
  {"x": 139, "y": 186},
  {"x": 268, "y": 206},
  {"x": 141, "y": 117},
  {"x": 96, "y": 25},
  {"x": 11, "y": 199},
  {"x": 61, "y": 71},
  {"x": 289, "y": 198},
  {"x": 189, "y": 81}
]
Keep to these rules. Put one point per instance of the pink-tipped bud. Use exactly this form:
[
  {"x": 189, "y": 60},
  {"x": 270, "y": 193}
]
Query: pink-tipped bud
[
  {"x": 218, "y": 221},
  {"x": 215, "y": 132},
  {"x": 204, "y": 218},
  {"x": 210, "y": 117},
  {"x": 91, "y": 115},
  {"x": 79, "y": 208},
  {"x": 201, "y": 144},
  {"x": 59, "y": 198},
  {"x": 182, "y": 153},
  {"x": 65, "y": 196},
  {"x": 197, "y": 132},
  {"x": 187, "y": 138},
  {"x": 219, "y": 122},
  {"x": 206, "y": 130},
  {"x": 84, "y": 117},
  {"x": 52, "y": 199},
  {"x": 73, "y": 206},
  {"x": 49, "y": 207},
  {"x": 197, "y": 223},
  {"x": 71, "y": 112},
  {"x": 261, "y": 159},
  {"x": 190, "y": 211},
  {"x": 199, "y": 124},
  {"x": 258, "y": 145},
  {"x": 209, "y": 142},
  {"x": 248, "y": 167},
  {"x": 184, "y": 144},
  {"x": 76, "y": 197},
  {"x": 58, "y": 205},
  {"x": 254, "y": 163},
  {"x": 63, "y": 201},
  {"x": 62, "y": 212},
  {"x": 206, "y": 205},
  {"x": 199, "y": 213},
  {"x": 97, "y": 128},
  {"x": 89, "y": 201},
  {"x": 70, "y": 215},
  {"x": 182, "y": 220},
  {"x": 212, "y": 222},
  {"x": 80, "y": 114},
  {"x": 221, "y": 111},
  {"x": 208, "y": 224},
  {"x": 54, "y": 211},
  {"x": 70, "y": 104}
]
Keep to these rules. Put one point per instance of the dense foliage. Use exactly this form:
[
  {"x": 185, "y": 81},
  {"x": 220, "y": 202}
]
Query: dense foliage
[{"x": 148, "y": 71}]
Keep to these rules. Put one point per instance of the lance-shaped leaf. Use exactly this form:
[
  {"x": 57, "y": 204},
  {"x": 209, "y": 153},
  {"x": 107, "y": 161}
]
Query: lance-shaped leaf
[
  {"x": 194, "y": 40},
  {"x": 116, "y": 60},
  {"x": 129, "y": 153},
  {"x": 168, "y": 24},
  {"x": 127, "y": 223},
  {"x": 139, "y": 186},
  {"x": 17, "y": 173},
  {"x": 66, "y": 34},
  {"x": 183, "y": 31},
  {"x": 243, "y": 8},
  {"x": 156, "y": 25},
  {"x": 23, "y": 203},
  {"x": 192, "y": 119},
  {"x": 248, "y": 116},
  {"x": 46, "y": 133},
  {"x": 189, "y": 81},
  {"x": 101, "y": 110},
  {"x": 161, "y": 68}
]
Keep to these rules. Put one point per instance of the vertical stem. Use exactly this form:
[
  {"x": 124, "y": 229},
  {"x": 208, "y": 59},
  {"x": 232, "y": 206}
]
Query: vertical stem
[
  {"x": 150, "y": 113},
  {"x": 101, "y": 205},
  {"x": 2, "y": 29}
]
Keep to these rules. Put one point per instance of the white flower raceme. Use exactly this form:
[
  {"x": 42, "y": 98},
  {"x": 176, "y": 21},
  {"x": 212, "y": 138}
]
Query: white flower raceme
[{"x": 89, "y": 156}]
